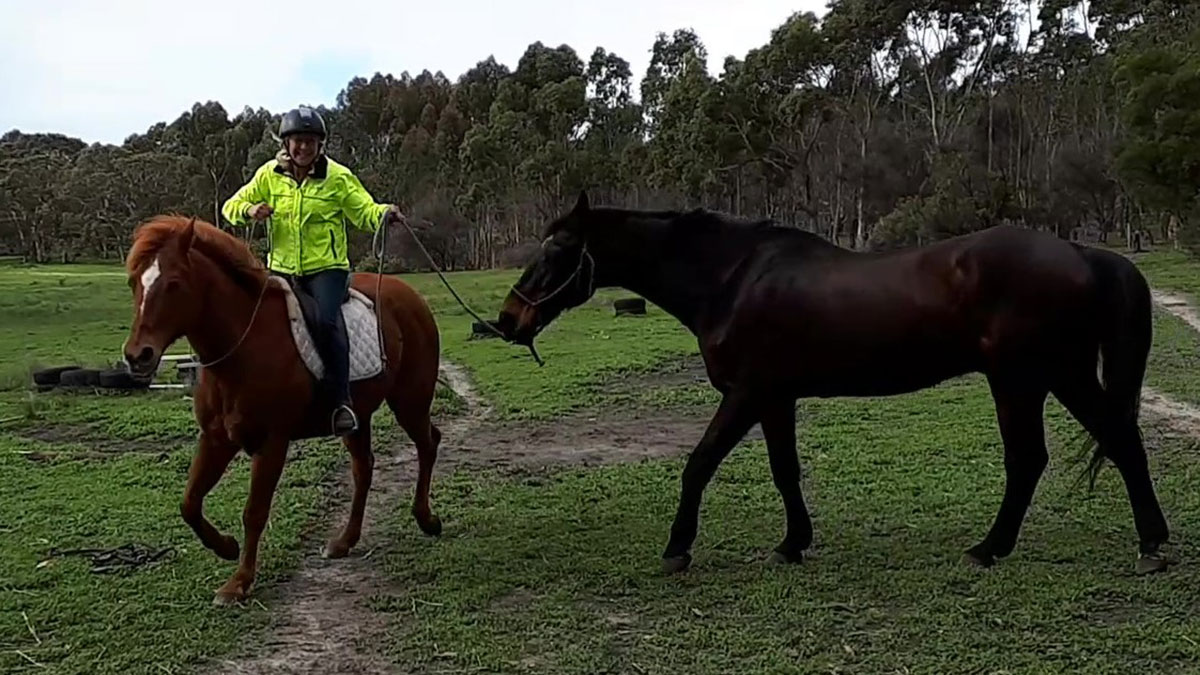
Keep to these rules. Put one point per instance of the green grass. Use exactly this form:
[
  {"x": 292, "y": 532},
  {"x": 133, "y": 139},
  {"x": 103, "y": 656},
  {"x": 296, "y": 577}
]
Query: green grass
[{"x": 559, "y": 572}]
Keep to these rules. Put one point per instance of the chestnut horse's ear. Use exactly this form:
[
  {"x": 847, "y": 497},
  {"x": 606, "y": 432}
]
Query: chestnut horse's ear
[
  {"x": 185, "y": 237},
  {"x": 581, "y": 205}
]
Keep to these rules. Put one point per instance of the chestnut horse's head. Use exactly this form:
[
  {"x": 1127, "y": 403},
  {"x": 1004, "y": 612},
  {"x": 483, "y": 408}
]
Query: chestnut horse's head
[
  {"x": 562, "y": 276},
  {"x": 166, "y": 299}
]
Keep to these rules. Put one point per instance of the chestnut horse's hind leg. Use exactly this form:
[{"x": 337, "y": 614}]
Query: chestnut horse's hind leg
[
  {"x": 427, "y": 437},
  {"x": 213, "y": 454},
  {"x": 362, "y": 466},
  {"x": 779, "y": 428},
  {"x": 729, "y": 425},
  {"x": 265, "y": 470},
  {"x": 1019, "y": 409}
]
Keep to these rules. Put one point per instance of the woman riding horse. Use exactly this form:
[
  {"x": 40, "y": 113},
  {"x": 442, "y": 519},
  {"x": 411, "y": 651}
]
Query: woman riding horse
[{"x": 310, "y": 197}]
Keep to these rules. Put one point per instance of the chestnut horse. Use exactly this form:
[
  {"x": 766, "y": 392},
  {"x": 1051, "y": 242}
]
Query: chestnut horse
[
  {"x": 190, "y": 279},
  {"x": 781, "y": 314}
]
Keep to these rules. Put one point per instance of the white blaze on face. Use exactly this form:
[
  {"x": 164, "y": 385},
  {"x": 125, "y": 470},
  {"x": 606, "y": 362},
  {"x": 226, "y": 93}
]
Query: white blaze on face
[{"x": 151, "y": 275}]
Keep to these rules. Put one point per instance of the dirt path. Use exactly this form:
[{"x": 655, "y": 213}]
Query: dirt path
[
  {"x": 321, "y": 620},
  {"x": 1178, "y": 416},
  {"x": 322, "y": 623}
]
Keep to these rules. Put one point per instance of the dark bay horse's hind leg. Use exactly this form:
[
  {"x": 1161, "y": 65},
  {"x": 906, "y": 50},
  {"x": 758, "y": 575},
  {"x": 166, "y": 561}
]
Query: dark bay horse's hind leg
[
  {"x": 362, "y": 466},
  {"x": 213, "y": 455},
  {"x": 1019, "y": 411},
  {"x": 1121, "y": 443},
  {"x": 729, "y": 425},
  {"x": 779, "y": 428}
]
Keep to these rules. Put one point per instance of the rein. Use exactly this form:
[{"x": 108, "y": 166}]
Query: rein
[
  {"x": 436, "y": 268},
  {"x": 257, "y": 305}
]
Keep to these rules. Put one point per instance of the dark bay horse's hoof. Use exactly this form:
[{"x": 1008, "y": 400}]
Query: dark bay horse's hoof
[
  {"x": 1153, "y": 562},
  {"x": 781, "y": 558},
  {"x": 677, "y": 564},
  {"x": 976, "y": 558},
  {"x": 431, "y": 526}
]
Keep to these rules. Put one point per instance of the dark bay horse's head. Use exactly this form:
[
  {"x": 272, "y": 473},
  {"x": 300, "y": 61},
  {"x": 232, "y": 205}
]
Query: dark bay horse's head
[
  {"x": 562, "y": 276},
  {"x": 165, "y": 300}
]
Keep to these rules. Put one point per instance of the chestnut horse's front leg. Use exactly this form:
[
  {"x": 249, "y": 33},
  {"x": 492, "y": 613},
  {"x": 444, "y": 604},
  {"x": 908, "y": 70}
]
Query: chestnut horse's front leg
[
  {"x": 265, "y": 469},
  {"x": 212, "y": 456}
]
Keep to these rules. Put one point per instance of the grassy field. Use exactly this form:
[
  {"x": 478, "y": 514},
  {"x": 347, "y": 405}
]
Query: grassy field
[{"x": 558, "y": 571}]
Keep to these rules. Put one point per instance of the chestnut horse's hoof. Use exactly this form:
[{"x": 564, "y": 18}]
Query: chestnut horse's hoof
[
  {"x": 431, "y": 526},
  {"x": 335, "y": 549},
  {"x": 228, "y": 548},
  {"x": 234, "y": 592},
  {"x": 677, "y": 564}
]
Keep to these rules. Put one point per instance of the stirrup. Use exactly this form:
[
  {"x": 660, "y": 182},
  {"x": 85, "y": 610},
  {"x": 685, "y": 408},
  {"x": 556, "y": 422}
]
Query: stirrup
[{"x": 343, "y": 430}]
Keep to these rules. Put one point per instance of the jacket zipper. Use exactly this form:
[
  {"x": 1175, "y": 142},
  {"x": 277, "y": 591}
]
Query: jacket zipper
[{"x": 300, "y": 226}]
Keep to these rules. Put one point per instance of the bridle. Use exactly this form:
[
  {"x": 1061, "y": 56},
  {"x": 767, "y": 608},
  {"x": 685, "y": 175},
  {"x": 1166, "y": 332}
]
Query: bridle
[{"x": 583, "y": 255}]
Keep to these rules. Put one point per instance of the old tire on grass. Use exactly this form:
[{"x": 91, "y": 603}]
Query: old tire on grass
[
  {"x": 50, "y": 376},
  {"x": 80, "y": 377},
  {"x": 629, "y": 306},
  {"x": 482, "y": 331},
  {"x": 119, "y": 378}
]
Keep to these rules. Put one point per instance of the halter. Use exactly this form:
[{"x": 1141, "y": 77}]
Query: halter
[{"x": 583, "y": 255}]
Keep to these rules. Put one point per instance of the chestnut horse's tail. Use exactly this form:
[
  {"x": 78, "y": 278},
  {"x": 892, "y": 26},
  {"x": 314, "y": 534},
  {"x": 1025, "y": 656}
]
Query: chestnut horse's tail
[{"x": 1124, "y": 314}]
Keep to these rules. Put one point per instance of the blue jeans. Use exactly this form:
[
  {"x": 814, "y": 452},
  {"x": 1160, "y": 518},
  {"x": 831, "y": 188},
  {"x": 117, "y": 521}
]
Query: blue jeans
[{"x": 328, "y": 287}]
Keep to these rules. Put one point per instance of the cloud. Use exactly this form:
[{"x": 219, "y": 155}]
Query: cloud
[{"x": 102, "y": 71}]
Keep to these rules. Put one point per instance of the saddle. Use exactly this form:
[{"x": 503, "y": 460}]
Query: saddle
[{"x": 362, "y": 330}]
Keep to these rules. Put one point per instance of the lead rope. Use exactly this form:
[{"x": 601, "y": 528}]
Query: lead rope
[
  {"x": 532, "y": 349},
  {"x": 380, "y": 238}
]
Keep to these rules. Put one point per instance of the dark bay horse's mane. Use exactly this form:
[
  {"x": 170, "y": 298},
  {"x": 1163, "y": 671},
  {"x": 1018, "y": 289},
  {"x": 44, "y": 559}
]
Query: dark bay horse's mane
[
  {"x": 678, "y": 224},
  {"x": 229, "y": 253}
]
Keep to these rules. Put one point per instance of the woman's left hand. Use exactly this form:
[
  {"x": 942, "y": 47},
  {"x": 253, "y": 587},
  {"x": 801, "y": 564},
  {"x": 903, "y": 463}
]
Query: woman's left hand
[{"x": 393, "y": 215}]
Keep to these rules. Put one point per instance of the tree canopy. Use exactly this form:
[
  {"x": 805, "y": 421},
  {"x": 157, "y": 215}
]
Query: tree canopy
[{"x": 881, "y": 123}]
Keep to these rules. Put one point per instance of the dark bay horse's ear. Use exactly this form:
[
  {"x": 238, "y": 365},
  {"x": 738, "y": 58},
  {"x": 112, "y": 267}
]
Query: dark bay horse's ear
[{"x": 581, "y": 205}]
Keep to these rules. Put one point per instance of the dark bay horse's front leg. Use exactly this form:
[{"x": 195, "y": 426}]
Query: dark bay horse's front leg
[
  {"x": 779, "y": 428},
  {"x": 265, "y": 469},
  {"x": 213, "y": 454},
  {"x": 729, "y": 425}
]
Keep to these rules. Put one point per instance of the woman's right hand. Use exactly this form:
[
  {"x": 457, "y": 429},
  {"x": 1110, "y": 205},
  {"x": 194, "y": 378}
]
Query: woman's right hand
[{"x": 260, "y": 212}]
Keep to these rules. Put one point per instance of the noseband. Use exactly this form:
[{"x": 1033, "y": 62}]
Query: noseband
[{"x": 583, "y": 255}]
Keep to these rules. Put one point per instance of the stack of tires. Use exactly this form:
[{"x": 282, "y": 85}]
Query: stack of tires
[{"x": 75, "y": 377}]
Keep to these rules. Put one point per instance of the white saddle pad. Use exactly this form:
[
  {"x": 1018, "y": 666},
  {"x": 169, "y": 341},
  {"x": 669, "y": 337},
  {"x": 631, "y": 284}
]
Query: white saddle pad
[{"x": 362, "y": 334}]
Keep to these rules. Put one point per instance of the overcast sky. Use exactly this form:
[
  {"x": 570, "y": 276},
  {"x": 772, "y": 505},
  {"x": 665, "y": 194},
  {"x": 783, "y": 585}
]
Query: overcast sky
[{"x": 103, "y": 70}]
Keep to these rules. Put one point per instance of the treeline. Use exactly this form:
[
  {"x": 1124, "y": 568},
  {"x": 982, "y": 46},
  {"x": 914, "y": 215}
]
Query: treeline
[{"x": 882, "y": 123}]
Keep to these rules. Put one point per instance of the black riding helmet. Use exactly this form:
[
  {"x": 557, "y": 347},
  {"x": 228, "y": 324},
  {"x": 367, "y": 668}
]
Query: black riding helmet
[{"x": 302, "y": 120}]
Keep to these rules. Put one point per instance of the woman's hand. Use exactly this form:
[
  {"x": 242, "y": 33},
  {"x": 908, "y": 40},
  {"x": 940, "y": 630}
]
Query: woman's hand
[
  {"x": 260, "y": 212},
  {"x": 393, "y": 215}
]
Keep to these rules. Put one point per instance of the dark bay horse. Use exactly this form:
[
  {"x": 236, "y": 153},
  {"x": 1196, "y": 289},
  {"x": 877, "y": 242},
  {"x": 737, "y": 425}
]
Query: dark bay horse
[
  {"x": 781, "y": 314},
  {"x": 190, "y": 279}
]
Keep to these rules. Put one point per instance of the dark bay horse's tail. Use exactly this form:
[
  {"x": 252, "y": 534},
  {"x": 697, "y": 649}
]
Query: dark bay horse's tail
[{"x": 1124, "y": 317}]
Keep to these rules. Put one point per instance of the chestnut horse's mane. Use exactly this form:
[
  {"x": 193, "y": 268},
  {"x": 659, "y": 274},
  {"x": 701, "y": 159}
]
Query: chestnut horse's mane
[{"x": 229, "y": 252}]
